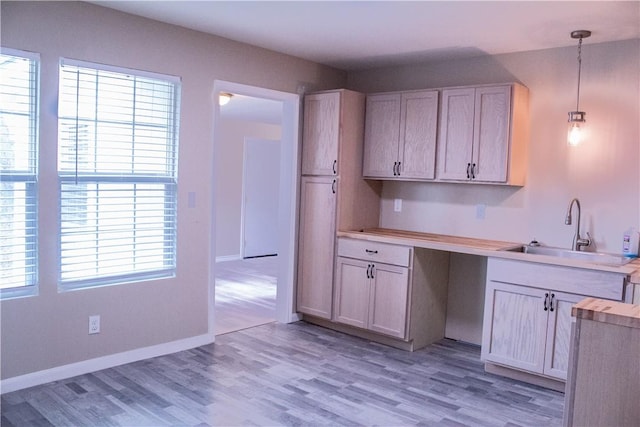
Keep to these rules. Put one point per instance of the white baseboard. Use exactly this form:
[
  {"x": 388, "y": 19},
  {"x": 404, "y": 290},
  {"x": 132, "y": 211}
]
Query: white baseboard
[
  {"x": 228, "y": 258},
  {"x": 79, "y": 368}
]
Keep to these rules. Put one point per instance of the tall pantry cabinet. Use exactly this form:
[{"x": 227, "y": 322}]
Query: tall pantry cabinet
[{"x": 333, "y": 195}]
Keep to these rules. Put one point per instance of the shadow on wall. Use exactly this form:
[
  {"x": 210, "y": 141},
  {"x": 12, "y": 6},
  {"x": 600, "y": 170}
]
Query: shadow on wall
[{"x": 434, "y": 71}]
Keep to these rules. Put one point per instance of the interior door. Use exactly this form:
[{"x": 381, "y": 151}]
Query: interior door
[{"x": 261, "y": 187}]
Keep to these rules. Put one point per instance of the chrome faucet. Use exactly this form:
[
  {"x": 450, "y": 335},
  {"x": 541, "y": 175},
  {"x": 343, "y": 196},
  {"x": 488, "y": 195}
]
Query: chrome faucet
[{"x": 578, "y": 241}]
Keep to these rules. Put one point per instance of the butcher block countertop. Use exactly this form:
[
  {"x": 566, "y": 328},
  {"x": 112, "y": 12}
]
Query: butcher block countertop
[
  {"x": 635, "y": 277},
  {"x": 481, "y": 247},
  {"x": 612, "y": 312}
]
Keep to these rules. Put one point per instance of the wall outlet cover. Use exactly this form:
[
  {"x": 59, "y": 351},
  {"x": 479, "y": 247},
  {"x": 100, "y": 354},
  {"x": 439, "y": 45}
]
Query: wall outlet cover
[{"x": 94, "y": 324}]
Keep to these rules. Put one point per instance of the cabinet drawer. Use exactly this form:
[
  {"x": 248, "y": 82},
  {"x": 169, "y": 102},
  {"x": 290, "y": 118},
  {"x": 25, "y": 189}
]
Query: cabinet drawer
[
  {"x": 599, "y": 284},
  {"x": 374, "y": 251}
]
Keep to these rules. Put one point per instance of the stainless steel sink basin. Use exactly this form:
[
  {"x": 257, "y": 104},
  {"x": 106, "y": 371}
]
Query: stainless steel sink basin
[{"x": 593, "y": 257}]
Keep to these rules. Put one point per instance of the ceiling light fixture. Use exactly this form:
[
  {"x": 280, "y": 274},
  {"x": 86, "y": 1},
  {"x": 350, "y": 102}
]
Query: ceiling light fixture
[
  {"x": 224, "y": 98},
  {"x": 577, "y": 121}
]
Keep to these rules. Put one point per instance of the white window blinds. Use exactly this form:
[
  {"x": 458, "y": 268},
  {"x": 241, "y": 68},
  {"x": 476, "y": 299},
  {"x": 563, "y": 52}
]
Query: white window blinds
[
  {"x": 18, "y": 172},
  {"x": 117, "y": 162}
]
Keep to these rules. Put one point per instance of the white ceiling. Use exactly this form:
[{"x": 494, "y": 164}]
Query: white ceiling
[{"x": 356, "y": 35}]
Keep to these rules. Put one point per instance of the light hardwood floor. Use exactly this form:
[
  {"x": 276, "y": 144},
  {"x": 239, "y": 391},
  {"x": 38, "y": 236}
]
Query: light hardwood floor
[
  {"x": 245, "y": 293},
  {"x": 294, "y": 375}
]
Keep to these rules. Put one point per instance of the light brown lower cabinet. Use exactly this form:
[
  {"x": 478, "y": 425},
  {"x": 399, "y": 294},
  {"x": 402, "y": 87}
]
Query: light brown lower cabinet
[
  {"x": 526, "y": 331},
  {"x": 317, "y": 230},
  {"x": 392, "y": 290},
  {"x": 372, "y": 296},
  {"x": 528, "y": 328}
]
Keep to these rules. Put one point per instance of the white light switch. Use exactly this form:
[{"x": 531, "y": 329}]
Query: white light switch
[
  {"x": 480, "y": 211},
  {"x": 397, "y": 205}
]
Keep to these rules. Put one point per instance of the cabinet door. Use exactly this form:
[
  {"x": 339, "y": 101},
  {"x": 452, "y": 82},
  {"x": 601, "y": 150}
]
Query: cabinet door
[
  {"x": 316, "y": 245},
  {"x": 352, "y": 292},
  {"x": 556, "y": 360},
  {"x": 491, "y": 133},
  {"x": 456, "y": 134},
  {"x": 321, "y": 134},
  {"x": 515, "y": 326},
  {"x": 389, "y": 299},
  {"x": 418, "y": 124},
  {"x": 381, "y": 135}
]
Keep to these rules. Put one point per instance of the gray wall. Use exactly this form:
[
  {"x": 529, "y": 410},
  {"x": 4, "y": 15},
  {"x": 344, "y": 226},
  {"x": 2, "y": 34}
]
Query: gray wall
[{"x": 50, "y": 330}]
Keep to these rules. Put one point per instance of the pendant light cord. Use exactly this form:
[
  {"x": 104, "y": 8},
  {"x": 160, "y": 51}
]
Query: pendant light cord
[{"x": 579, "y": 72}]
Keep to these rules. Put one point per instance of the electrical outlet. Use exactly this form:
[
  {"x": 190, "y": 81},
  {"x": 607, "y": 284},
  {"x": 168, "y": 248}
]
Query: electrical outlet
[
  {"x": 397, "y": 205},
  {"x": 94, "y": 324}
]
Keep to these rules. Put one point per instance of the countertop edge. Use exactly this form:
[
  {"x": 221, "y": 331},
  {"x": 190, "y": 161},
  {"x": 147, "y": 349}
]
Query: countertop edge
[
  {"x": 605, "y": 311},
  {"x": 481, "y": 247}
]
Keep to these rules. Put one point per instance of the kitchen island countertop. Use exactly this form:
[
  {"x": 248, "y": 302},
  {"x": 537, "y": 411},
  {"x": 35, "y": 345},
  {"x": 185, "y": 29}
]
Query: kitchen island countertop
[{"x": 605, "y": 311}]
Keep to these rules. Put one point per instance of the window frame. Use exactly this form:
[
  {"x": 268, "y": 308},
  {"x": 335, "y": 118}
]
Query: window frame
[
  {"x": 32, "y": 289},
  {"x": 170, "y": 182}
]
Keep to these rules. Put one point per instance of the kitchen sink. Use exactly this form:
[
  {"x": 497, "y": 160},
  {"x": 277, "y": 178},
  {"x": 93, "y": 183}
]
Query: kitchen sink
[{"x": 593, "y": 257}]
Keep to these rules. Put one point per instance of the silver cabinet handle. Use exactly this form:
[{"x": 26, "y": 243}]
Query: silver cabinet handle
[
  {"x": 368, "y": 271},
  {"x": 473, "y": 171},
  {"x": 333, "y": 187},
  {"x": 395, "y": 164},
  {"x": 551, "y": 302},
  {"x": 369, "y": 251},
  {"x": 335, "y": 165},
  {"x": 399, "y": 165},
  {"x": 372, "y": 267},
  {"x": 468, "y": 170}
]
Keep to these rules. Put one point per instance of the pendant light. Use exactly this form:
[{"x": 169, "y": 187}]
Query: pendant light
[{"x": 577, "y": 121}]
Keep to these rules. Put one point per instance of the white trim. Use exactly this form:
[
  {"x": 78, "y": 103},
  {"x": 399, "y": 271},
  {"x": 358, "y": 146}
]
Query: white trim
[
  {"x": 288, "y": 221},
  {"x": 122, "y": 70},
  {"x": 34, "y": 56},
  {"x": 244, "y": 196},
  {"x": 92, "y": 365},
  {"x": 223, "y": 258}
]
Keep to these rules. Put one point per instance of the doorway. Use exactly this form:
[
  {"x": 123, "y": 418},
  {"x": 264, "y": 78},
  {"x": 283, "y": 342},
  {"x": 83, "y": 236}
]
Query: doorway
[{"x": 287, "y": 201}]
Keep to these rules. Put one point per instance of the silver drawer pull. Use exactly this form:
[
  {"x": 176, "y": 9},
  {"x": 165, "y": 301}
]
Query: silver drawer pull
[{"x": 369, "y": 251}]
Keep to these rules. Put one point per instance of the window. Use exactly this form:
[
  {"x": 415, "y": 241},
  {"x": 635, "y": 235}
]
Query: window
[
  {"x": 18, "y": 172},
  {"x": 117, "y": 163}
]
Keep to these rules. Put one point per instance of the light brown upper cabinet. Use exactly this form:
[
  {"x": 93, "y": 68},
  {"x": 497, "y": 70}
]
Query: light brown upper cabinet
[
  {"x": 400, "y": 135},
  {"x": 321, "y": 134},
  {"x": 483, "y": 134}
]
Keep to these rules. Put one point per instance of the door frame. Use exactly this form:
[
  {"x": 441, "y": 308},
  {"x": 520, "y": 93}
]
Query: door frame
[
  {"x": 288, "y": 203},
  {"x": 243, "y": 210}
]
